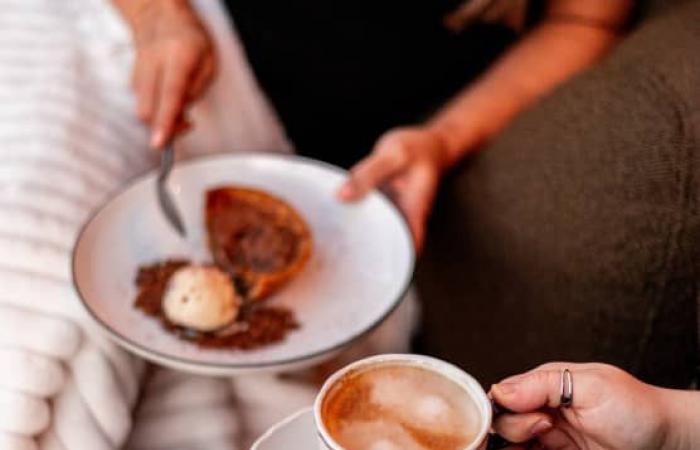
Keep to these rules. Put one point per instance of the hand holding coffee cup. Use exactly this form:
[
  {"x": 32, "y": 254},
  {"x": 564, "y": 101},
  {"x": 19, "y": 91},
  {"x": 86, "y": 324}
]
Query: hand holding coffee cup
[
  {"x": 402, "y": 402},
  {"x": 610, "y": 409},
  {"x": 411, "y": 402}
]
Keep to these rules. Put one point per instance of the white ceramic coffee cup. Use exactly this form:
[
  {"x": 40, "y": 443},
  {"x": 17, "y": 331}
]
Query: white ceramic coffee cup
[{"x": 455, "y": 374}]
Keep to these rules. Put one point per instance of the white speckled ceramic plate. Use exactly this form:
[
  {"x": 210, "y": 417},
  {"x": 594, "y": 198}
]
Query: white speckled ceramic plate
[{"x": 361, "y": 266}]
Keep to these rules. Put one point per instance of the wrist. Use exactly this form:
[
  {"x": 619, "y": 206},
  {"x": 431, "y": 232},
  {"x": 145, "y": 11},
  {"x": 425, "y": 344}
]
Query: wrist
[
  {"x": 438, "y": 148},
  {"x": 136, "y": 12},
  {"x": 681, "y": 418},
  {"x": 457, "y": 139}
]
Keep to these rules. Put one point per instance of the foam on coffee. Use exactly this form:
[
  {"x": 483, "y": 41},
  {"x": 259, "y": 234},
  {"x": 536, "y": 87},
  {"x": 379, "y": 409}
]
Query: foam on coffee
[{"x": 400, "y": 406}]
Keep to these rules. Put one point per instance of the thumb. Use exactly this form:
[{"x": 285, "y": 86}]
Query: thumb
[
  {"x": 368, "y": 174},
  {"x": 530, "y": 391}
]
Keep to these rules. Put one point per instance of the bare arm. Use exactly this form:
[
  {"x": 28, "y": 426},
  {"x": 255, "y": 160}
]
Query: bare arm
[
  {"x": 683, "y": 417},
  {"x": 130, "y": 9},
  {"x": 408, "y": 161},
  {"x": 573, "y": 35}
]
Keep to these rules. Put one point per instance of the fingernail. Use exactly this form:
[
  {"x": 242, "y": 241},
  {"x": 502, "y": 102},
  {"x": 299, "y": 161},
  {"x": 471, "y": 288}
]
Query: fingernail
[
  {"x": 157, "y": 139},
  {"x": 346, "y": 191},
  {"x": 505, "y": 388},
  {"x": 540, "y": 427}
]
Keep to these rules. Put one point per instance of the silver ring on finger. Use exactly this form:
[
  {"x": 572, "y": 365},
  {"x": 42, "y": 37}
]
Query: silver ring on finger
[{"x": 566, "y": 398}]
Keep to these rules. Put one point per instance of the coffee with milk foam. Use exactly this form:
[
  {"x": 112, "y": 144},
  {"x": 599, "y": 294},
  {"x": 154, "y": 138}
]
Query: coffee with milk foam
[{"x": 400, "y": 406}]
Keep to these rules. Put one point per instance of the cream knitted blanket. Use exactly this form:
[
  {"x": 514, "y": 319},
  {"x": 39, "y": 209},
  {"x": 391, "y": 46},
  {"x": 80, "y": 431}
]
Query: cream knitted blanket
[{"x": 69, "y": 137}]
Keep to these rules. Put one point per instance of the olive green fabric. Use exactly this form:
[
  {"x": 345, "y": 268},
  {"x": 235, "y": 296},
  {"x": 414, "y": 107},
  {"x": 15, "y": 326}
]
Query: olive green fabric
[
  {"x": 654, "y": 7},
  {"x": 575, "y": 235}
]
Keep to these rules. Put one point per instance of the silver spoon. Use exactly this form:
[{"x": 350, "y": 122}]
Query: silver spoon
[{"x": 165, "y": 199}]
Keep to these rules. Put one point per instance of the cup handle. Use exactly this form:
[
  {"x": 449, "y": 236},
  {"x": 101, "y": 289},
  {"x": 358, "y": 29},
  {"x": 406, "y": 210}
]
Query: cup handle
[{"x": 496, "y": 442}]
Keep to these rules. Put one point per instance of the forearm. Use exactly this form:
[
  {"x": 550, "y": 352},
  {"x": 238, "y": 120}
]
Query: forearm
[
  {"x": 552, "y": 52},
  {"x": 682, "y": 412}
]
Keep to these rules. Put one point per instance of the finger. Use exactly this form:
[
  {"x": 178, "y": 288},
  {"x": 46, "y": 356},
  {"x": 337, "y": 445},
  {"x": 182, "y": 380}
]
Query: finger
[
  {"x": 561, "y": 365},
  {"x": 591, "y": 381},
  {"x": 372, "y": 172},
  {"x": 557, "y": 439},
  {"x": 30, "y": 373},
  {"x": 146, "y": 78},
  {"x": 58, "y": 338},
  {"x": 414, "y": 197},
  {"x": 11, "y": 441},
  {"x": 365, "y": 176},
  {"x": 182, "y": 126},
  {"x": 553, "y": 366},
  {"x": 522, "y": 427},
  {"x": 202, "y": 78},
  {"x": 22, "y": 414},
  {"x": 530, "y": 391},
  {"x": 171, "y": 100}
]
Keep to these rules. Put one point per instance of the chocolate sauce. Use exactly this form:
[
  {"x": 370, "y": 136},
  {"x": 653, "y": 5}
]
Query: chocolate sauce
[{"x": 244, "y": 236}]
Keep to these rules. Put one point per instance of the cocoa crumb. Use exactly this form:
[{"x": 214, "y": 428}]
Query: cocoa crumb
[{"x": 257, "y": 325}]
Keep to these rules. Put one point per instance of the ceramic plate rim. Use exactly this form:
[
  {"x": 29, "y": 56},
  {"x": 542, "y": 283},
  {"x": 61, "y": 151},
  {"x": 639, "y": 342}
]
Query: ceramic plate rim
[
  {"x": 274, "y": 429},
  {"x": 178, "y": 361}
]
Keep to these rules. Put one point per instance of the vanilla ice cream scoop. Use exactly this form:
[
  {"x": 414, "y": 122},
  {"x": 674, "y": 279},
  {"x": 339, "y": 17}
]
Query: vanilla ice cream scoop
[{"x": 201, "y": 298}]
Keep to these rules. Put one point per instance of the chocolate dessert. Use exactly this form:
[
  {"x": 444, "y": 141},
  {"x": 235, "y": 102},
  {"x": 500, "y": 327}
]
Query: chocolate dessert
[
  {"x": 258, "y": 244},
  {"x": 257, "y": 238}
]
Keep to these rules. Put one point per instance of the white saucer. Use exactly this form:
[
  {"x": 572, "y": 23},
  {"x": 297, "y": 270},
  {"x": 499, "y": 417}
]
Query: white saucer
[
  {"x": 361, "y": 266},
  {"x": 296, "y": 432}
]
